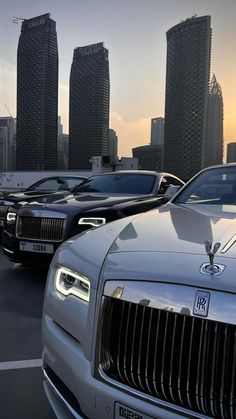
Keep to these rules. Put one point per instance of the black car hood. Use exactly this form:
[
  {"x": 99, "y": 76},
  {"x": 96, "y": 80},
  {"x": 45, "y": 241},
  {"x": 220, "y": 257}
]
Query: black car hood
[
  {"x": 32, "y": 195},
  {"x": 81, "y": 202},
  {"x": 41, "y": 196}
]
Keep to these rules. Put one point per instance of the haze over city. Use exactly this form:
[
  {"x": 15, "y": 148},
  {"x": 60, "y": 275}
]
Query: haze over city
[{"x": 134, "y": 32}]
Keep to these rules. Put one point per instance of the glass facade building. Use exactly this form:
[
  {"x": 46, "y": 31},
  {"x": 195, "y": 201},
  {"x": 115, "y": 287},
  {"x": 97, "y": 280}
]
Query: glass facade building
[
  {"x": 187, "y": 84},
  {"x": 214, "y": 146},
  {"x": 37, "y": 95},
  {"x": 89, "y": 105}
]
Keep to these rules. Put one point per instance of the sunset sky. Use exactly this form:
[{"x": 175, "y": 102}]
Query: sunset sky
[{"x": 134, "y": 31}]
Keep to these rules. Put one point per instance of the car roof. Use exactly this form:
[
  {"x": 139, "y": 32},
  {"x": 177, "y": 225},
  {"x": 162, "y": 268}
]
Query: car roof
[{"x": 143, "y": 172}]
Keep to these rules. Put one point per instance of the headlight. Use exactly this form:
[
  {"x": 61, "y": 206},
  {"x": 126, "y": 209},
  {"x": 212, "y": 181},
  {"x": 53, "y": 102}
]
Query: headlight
[
  {"x": 93, "y": 221},
  {"x": 11, "y": 217},
  {"x": 69, "y": 282}
]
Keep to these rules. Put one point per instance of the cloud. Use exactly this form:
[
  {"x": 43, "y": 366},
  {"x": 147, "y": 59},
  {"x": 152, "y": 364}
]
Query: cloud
[{"x": 130, "y": 133}]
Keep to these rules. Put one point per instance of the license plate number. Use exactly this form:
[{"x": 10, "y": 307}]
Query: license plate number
[
  {"x": 36, "y": 247},
  {"x": 125, "y": 412}
]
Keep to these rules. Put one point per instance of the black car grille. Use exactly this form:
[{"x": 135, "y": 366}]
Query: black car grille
[
  {"x": 178, "y": 358},
  {"x": 48, "y": 229},
  {"x": 3, "y": 211}
]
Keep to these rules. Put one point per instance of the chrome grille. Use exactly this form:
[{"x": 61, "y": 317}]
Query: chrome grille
[
  {"x": 48, "y": 229},
  {"x": 178, "y": 358}
]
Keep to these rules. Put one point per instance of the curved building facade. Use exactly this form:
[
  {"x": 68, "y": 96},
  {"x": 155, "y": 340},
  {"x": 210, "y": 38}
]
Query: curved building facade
[
  {"x": 89, "y": 105},
  {"x": 37, "y": 95},
  {"x": 187, "y": 83}
]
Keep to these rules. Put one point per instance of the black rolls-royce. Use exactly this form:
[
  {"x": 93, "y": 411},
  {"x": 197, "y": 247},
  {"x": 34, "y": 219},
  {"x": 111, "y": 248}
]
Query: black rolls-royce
[{"x": 33, "y": 232}]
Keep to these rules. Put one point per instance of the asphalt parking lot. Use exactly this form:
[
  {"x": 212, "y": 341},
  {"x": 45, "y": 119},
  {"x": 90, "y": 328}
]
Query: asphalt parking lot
[{"x": 21, "y": 302}]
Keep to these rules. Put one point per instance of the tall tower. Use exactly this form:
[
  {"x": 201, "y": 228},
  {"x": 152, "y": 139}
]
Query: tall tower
[
  {"x": 187, "y": 81},
  {"x": 37, "y": 95},
  {"x": 7, "y": 143},
  {"x": 214, "y": 134},
  {"x": 89, "y": 105},
  {"x": 157, "y": 131}
]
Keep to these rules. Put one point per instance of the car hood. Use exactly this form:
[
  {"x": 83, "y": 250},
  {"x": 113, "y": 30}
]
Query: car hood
[
  {"x": 162, "y": 245},
  {"x": 75, "y": 203},
  {"x": 39, "y": 197},
  {"x": 179, "y": 228}
]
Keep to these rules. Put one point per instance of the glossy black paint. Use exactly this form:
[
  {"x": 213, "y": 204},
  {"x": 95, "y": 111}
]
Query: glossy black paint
[{"x": 75, "y": 206}]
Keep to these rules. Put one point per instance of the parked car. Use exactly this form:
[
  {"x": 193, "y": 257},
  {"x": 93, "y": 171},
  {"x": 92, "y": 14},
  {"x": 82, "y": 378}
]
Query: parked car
[
  {"x": 33, "y": 232},
  {"x": 39, "y": 191},
  {"x": 139, "y": 315}
]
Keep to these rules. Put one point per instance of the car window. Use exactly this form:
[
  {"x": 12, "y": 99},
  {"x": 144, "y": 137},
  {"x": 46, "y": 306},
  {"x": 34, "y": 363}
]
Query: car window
[
  {"x": 214, "y": 186},
  {"x": 168, "y": 181},
  {"x": 56, "y": 184},
  {"x": 119, "y": 184}
]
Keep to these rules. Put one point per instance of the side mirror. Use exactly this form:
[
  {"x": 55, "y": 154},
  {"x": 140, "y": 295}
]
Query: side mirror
[{"x": 170, "y": 192}]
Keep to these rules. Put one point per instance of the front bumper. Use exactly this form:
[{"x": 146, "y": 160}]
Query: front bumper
[
  {"x": 11, "y": 248},
  {"x": 63, "y": 356}
]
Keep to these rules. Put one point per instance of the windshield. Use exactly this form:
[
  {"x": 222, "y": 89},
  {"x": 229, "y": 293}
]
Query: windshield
[
  {"x": 133, "y": 184},
  {"x": 56, "y": 184},
  {"x": 215, "y": 186}
]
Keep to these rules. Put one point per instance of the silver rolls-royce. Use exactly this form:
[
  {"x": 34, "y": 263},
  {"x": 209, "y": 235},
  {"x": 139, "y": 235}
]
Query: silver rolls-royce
[{"x": 139, "y": 316}]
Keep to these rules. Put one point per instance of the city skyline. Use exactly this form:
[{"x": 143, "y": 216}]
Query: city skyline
[{"x": 135, "y": 35}]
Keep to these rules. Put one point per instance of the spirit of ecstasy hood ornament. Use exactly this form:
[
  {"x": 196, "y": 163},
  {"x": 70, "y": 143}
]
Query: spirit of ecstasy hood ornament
[
  {"x": 211, "y": 268},
  {"x": 211, "y": 251}
]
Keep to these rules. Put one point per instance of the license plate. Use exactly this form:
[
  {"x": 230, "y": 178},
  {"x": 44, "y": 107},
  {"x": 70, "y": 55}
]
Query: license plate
[
  {"x": 125, "y": 412},
  {"x": 36, "y": 247}
]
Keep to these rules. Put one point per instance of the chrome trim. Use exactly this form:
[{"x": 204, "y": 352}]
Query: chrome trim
[
  {"x": 177, "y": 298},
  {"x": 9, "y": 251},
  {"x": 215, "y": 269},
  {"x": 229, "y": 244},
  {"x": 157, "y": 402},
  {"x": 68, "y": 406},
  {"x": 40, "y": 214}
]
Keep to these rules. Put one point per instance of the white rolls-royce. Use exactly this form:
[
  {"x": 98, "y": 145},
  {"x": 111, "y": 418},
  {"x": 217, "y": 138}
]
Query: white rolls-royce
[{"x": 139, "y": 316}]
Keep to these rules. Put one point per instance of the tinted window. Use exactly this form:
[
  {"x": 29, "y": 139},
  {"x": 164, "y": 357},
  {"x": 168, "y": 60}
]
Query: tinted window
[
  {"x": 119, "y": 184},
  {"x": 56, "y": 184},
  {"x": 214, "y": 186}
]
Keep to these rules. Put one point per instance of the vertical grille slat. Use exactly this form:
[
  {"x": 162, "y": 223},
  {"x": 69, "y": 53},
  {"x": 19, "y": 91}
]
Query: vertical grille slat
[
  {"x": 155, "y": 369},
  {"x": 119, "y": 360},
  {"x": 190, "y": 365},
  {"x": 140, "y": 353},
  {"x": 178, "y": 358},
  {"x": 36, "y": 228}
]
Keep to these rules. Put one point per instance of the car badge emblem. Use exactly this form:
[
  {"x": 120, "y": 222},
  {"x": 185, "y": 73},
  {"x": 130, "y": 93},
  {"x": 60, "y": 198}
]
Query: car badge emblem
[
  {"x": 211, "y": 268},
  {"x": 201, "y": 303}
]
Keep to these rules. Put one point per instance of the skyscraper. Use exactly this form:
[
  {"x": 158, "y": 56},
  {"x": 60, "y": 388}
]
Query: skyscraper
[
  {"x": 187, "y": 80},
  {"x": 37, "y": 95},
  {"x": 231, "y": 152},
  {"x": 157, "y": 131},
  {"x": 7, "y": 143},
  {"x": 89, "y": 105},
  {"x": 112, "y": 143},
  {"x": 214, "y": 133}
]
